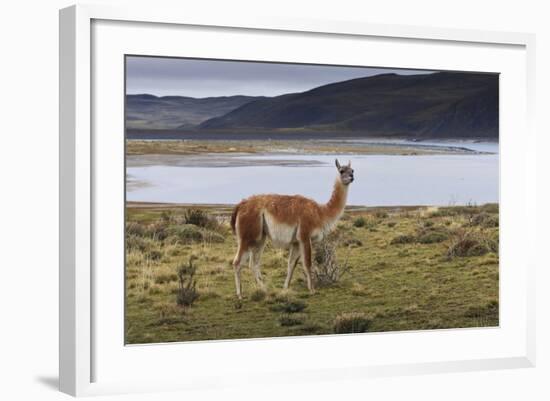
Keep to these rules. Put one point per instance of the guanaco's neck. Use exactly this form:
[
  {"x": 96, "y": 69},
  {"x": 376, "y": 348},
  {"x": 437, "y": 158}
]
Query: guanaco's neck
[{"x": 337, "y": 202}]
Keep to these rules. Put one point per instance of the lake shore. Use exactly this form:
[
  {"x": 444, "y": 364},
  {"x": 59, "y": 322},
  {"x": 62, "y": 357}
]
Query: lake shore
[{"x": 291, "y": 147}]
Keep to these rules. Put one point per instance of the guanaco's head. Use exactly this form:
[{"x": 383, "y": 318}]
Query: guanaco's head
[{"x": 346, "y": 173}]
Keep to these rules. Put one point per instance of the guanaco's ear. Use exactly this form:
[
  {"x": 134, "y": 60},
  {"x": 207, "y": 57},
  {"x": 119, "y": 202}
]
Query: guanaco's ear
[
  {"x": 349, "y": 163},
  {"x": 337, "y": 164}
]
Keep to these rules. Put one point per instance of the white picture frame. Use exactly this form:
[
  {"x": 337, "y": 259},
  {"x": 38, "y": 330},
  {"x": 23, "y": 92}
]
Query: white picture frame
[{"x": 79, "y": 214}]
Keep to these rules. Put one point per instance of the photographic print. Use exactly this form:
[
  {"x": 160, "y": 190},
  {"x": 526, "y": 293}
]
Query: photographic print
[{"x": 277, "y": 199}]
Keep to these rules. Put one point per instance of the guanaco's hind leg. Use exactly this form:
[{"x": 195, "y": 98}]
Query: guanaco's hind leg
[
  {"x": 249, "y": 231},
  {"x": 305, "y": 246},
  {"x": 237, "y": 262},
  {"x": 255, "y": 255},
  {"x": 293, "y": 257}
]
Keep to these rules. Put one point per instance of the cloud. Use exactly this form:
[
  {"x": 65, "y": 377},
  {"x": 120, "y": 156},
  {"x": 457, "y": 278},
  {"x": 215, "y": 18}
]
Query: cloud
[{"x": 163, "y": 76}]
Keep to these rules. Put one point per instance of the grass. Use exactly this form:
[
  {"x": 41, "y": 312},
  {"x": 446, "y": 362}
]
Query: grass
[
  {"x": 354, "y": 322},
  {"x": 408, "y": 269}
]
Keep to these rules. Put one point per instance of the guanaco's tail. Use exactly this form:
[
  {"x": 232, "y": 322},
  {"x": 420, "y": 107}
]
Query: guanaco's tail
[{"x": 234, "y": 218}]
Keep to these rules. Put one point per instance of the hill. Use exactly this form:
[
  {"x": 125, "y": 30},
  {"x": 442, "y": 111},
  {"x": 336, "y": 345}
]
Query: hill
[
  {"x": 177, "y": 112},
  {"x": 438, "y": 105}
]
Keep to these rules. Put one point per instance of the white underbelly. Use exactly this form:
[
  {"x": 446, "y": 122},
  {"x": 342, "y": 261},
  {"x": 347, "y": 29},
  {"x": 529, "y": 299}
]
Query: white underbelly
[{"x": 281, "y": 235}]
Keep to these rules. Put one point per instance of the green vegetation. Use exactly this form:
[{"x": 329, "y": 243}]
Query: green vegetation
[
  {"x": 354, "y": 322},
  {"x": 403, "y": 269}
]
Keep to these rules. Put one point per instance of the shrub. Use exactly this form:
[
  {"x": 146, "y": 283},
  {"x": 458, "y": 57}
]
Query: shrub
[
  {"x": 354, "y": 322},
  {"x": 490, "y": 208},
  {"x": 212, "y": 237},
  {"x": 391, "y": 224},
  {"x": 200, "y": 218},
  {"x": 133, "y": 228},
  {"x": 291, "y": 320},
  {"x": 258, "y": 295},
  {"x": 327, "y": 270},
  {"x": 166, "y": 216},
  {"x": 403, "y": 239},
  {"x": 287, "y": 304},
  {"x": 470, "y": 243},
  {"x": 484, "y": 219},
  {"x": 186, "y": 233},
  {"x": 359, "y": 222},
  {"x": 187, "y": 294},
  {"x": 380, "y": 214},
  {"x": 141, "y": 244},
  {"x": 432, "y": 237},
  {"x": 156, "y": 230}
]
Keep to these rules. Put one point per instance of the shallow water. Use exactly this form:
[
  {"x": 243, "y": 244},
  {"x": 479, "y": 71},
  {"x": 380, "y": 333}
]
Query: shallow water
[{"x": 380, "y": 180}]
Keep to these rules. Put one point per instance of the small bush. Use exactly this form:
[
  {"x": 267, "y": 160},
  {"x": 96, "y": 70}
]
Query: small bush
[
  {"x": 403, "y": 239},
  {"x": 359, "y": 222},
  {"x": 187, "y": 233},
  {"x": 490, "y": 208},
  {"x": 138, "y": 243},
  {"x": 291, "y": 320},
  {"x": 354, "y": 322},
  {"x": 197, "y": 217},
  {"x": 287, "y": 304},
  {"x": 391, "y": 224},
  {"x": 136, "y": 229},
  {"x": 380, "y": 214},
  {"x": 187, "y": 293},
  {"x": 212, "y": 237},
  {"x": 484, "y": 219},
  {"x": 470, "y": 243},
  {"x": 432, "y": 237},
  {"x": 156, "y": 231},
  {"x": 258, "y": 295},
  {"x": 200, "y": 218},
  {"x": 327, "y": 270}
]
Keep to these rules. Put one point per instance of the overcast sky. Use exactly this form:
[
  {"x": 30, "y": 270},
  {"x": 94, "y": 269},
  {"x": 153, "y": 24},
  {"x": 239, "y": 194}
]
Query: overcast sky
[{"x": 203, "y": 78}]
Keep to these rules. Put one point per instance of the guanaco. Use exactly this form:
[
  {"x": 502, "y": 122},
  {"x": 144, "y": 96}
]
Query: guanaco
[{"x": 291, "y": 222}]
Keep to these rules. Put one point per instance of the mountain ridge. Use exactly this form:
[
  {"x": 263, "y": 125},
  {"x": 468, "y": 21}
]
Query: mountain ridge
[
  {"x": 445, "y": 104},
  {"x": 147, "y": 111},
  {"x": 423, "y": 106}
]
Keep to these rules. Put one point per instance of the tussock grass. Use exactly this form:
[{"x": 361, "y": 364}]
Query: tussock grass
[
  {"x": 353, "y": 322},
  {"x": 292, "y": 319},
  {"x": 258, "y": 295},
  {"x": 289, "y": 306}
]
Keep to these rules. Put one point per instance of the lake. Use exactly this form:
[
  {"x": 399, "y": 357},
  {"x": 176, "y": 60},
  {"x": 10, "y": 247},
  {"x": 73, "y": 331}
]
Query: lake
[{"x": 380, "y": 180}]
